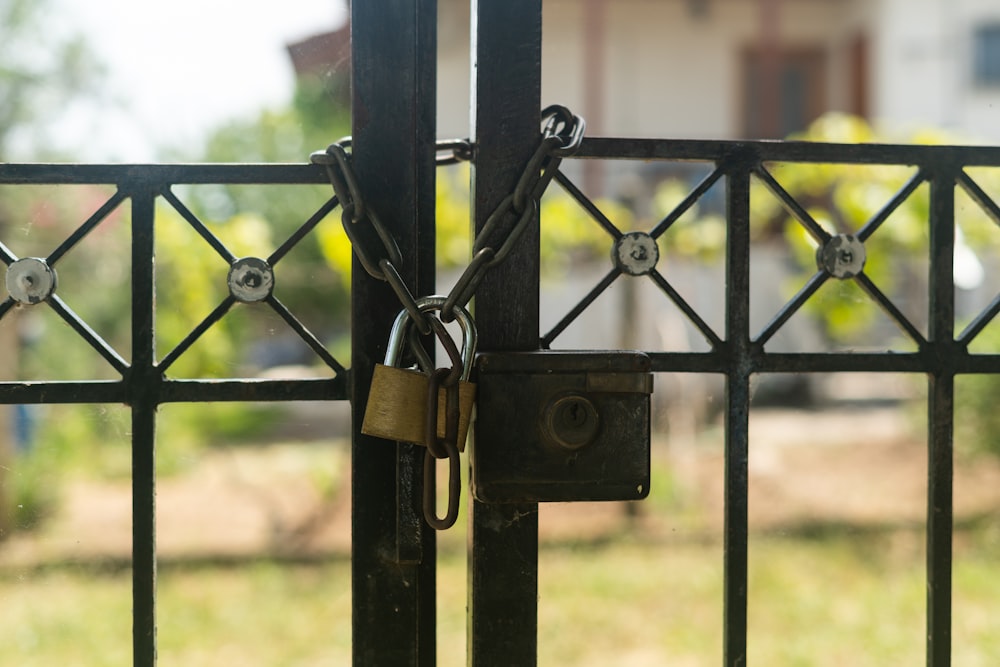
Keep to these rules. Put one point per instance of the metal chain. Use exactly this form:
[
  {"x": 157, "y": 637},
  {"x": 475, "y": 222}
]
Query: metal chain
[
  {"x": 562, "y": 133},
  {"x": 379, "y": 254}
]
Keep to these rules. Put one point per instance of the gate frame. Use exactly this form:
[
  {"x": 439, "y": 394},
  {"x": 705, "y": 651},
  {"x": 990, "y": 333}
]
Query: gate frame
[{"x": 393, "y": 553}]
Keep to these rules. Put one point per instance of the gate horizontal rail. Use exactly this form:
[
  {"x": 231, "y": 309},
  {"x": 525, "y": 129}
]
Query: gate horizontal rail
[
  {"x": 161, "y": 175},
  {"x": 704, "y": 150}
]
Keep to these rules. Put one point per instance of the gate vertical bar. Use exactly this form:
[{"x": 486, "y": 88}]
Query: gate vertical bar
[
  {"x": 394, "y": 55},
  {"x": 738, "y": 409},
  {"x": 143, "y": 384},
  {"x": 940, "y": 416},
  {"x": 503, "y": 545}
]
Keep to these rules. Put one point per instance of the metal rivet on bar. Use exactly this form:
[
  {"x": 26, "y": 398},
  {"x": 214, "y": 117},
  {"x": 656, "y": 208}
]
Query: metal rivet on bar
[
  {"x": 843, "y": 256},
  {"x": 31, "y": 280},
  {"x": 251, "y": 279},
  {"x": 635, "y": 253}
]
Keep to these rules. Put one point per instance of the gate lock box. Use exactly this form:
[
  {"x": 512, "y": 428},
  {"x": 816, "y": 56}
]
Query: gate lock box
[{"x": 562, "y": 426}]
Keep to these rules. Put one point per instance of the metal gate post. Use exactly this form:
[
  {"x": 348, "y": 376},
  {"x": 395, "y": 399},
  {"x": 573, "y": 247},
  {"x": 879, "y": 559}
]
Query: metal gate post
[
  {"x": 503, "y": 544},
  {"x": 941, "y": 415},
  {"x": 738, "y": 362},
  {"x": 394, "y": 56},
  {"x": 144, "y": 385}
]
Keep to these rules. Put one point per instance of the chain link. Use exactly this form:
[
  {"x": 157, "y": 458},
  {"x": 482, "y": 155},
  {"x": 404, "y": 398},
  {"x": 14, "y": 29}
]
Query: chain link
[
  {"x": 561, "y": 136},
  {"x": 379, "y": 255}
]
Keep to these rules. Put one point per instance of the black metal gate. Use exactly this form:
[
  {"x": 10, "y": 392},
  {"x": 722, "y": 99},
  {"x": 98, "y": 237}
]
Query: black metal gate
[{"x": 394, "y": 98}]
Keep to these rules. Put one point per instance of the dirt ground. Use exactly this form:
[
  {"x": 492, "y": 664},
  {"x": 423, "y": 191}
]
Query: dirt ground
[{"x": 866, "y": 468}]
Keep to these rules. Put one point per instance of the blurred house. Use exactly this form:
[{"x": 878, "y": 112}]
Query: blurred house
[{"x": 729, "y": 69}]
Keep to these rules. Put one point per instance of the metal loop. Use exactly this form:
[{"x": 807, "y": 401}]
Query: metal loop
[
  {"x": 371, "y": 265},
  {"x": 571, "y": 133},
  {"x": 398, "y": 334},
  {"x": 530, "y": 213},
  {"x": 452, "y": 151},
  {"x": 434, "y": 444},
  {"x": 532, "y": 171},
  {"x": 553, "y": 115},
  {"x": 430, "y": 488},
  {"x": 388, "y": 242},
  {"x": 424, "y": 361},
  {"x": 343, "y": 180},
  {"x": 467, "y": 283},
  {"x": 457, "y": 369},
  {"x": 340, "y": 189},
  {"x": 549, "y": 170},
  {"x": 441, "y": 448},
  {"x": 404, "y": 295}
]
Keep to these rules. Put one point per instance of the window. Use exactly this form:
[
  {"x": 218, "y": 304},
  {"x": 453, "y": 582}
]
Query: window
[
  {"x": 986, "y": 55},
  {"x": 783, "y": 91}
]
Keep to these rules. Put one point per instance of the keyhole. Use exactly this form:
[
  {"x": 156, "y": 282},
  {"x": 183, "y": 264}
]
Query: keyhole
[
  {"x": 575, "y": 415},
  {"x": 571, "y": 421}
]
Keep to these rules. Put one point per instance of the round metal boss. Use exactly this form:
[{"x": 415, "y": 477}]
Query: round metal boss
[
  {"x": 30, "y": 280},
  {"x": 251, "y": 279},
  {"x": 635, "y": 253},
  {"x": 843, "y": 256}
]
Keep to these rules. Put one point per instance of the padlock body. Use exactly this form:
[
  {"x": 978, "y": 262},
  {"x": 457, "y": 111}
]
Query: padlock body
[
  {"x": 562, "y": 426},
  {"x": 397, "y": 406}
]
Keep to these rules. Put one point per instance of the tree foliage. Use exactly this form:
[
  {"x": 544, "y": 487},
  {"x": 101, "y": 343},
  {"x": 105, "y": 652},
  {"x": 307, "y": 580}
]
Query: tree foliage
[{"x": 41, "y": 71}]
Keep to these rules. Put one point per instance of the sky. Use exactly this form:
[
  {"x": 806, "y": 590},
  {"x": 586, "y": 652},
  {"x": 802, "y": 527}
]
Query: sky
[{"x": 176, "y": 69}]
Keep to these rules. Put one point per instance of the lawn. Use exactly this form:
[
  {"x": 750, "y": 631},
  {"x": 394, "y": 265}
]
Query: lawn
[{"x": 837, "y": 599}]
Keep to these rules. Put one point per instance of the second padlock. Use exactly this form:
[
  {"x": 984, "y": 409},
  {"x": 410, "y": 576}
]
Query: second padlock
[{"x": 562, "y": 426}]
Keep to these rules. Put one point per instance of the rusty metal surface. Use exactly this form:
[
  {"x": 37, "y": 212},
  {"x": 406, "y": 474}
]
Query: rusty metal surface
[{"x": 562, "y": 427}]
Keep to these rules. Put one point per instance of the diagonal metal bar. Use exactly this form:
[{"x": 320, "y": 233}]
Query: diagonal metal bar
[
  {"x": 196, "y": 333},
  {"x": 792, "y": 206},
  {"x": 88, "y": 334},
  {"x": 199, "y": 226},
  {"x": 6, "y": 256},
  {"x": 979, "y": 196},
  {"x": 588, "y": 205},
  {"x": 301, "y": 232},
  {"x": 792, "y": 307},
  {"x": 977, "y": 325},
  {"x": 689, "y": 201},
  {"x": 305, "y": 334},
  {"x": 605, "y": 282},
  {"x": 7, "y": 304},
  {"x": 894, "y": 203},
  {"x": 889, "y": 307},
  {"x": 86, "y": 227},
  {"x": 679, "y": 301}
]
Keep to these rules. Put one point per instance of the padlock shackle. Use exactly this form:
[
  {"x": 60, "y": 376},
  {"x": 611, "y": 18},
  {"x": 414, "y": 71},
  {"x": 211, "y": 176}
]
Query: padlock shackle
[{"x": 397, "y": 335}]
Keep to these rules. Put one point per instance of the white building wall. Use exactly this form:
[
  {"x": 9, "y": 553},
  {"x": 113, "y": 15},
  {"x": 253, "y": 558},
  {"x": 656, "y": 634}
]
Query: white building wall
[
  {"x": 669, "y": 73},
  {"x": 924, "y": 68},
  {"x": 978, "y": 108}
]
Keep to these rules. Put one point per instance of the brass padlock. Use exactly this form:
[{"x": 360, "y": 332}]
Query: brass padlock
[
  {"x": 562, "y": 426},
  {"x": 397, "y": 403}
]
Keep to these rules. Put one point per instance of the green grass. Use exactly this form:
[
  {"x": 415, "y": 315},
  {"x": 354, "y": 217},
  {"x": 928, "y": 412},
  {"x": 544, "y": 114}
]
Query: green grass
[{"x": 842, "y": 598}]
